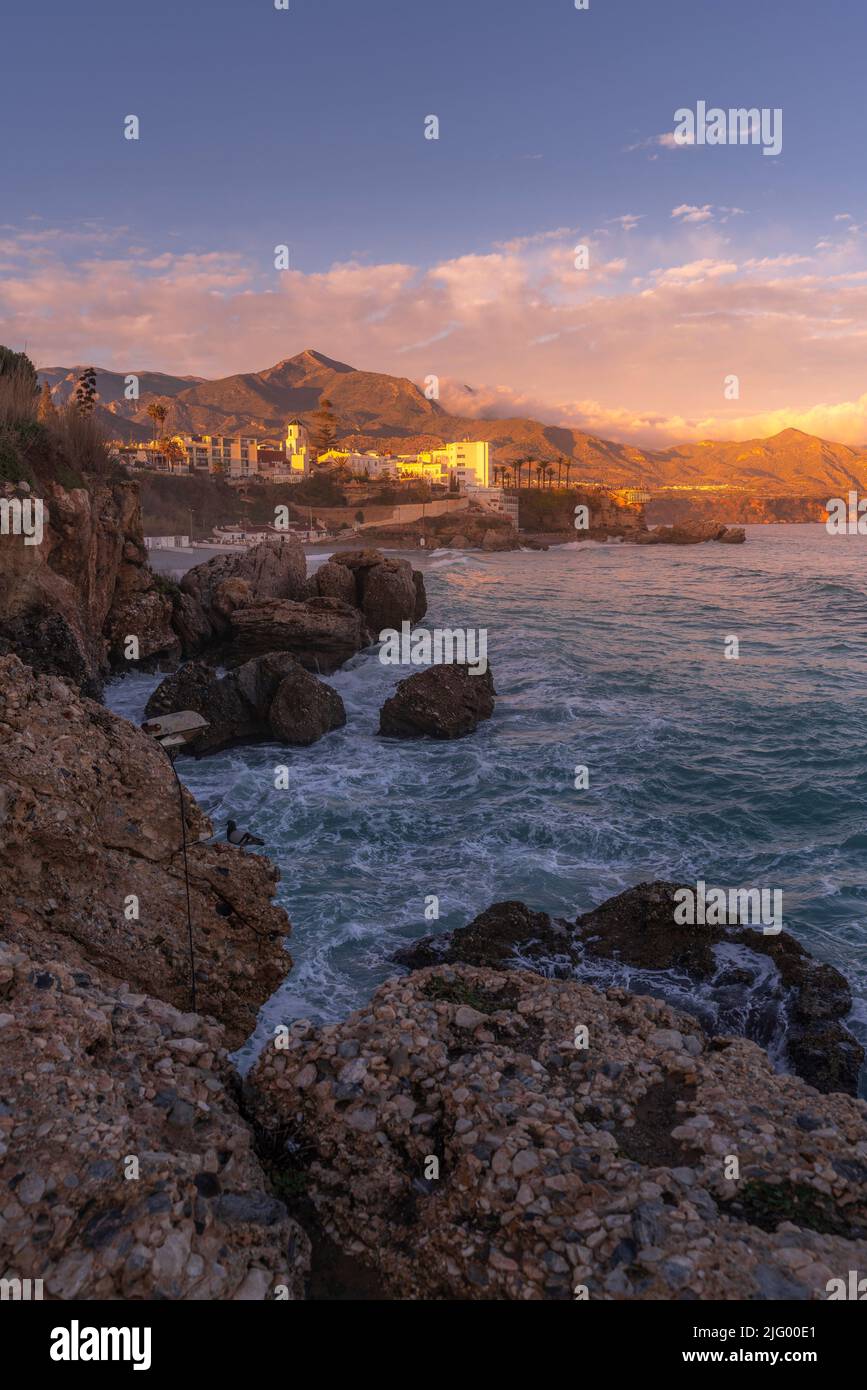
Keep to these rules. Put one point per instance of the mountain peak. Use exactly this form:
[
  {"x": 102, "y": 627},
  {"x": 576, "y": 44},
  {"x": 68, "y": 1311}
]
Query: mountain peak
[{"x": 310, "y": 357}]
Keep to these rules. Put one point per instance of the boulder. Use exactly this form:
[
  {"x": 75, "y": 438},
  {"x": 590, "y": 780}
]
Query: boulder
[
  {"x": 558, "y": 1164},
  {"x": 637, "y": 928},
  {"x": 459, "y": 542},
  {"x": 230, "y": 594},
  {"x": 268, "y": 697},
  {"x": 304, "y": 709},
  {"x": 274, "y": 569},
  {"x": 191, "y": 623},
  {"x": 445, "y": 701},
  {"x": 147, "y": 616},
  {"x": 336, "y": 581},
  {"x": 499, "y": 539},
  {"x": 389, "y": 595},
  {"x": 322, "y": 633},
  {"x": 493, "y": 938},
  {"x": 388, "y": 591}
]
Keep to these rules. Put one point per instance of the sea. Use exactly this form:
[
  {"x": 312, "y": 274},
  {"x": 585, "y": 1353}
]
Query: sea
[{"x": 735, "y": 762}]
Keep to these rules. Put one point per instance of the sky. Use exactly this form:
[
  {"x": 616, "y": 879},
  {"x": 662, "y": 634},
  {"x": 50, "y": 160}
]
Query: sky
[{"x": 724, "y": 292}]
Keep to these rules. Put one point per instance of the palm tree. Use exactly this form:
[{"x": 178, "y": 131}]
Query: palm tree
[
  {"x": 158, "y": 413},
  {"x": 568, "y": 463},
  {"x": 540, "y": 471}
]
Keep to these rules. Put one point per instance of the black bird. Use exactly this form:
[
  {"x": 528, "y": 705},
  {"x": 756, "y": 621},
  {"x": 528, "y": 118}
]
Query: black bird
[{"x": 241, "y": 838}]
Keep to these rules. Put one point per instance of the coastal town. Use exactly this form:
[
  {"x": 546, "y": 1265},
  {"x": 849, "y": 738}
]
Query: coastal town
[
  {"x": 459, "y": 473},
  {"x": 419, "y": 485}
]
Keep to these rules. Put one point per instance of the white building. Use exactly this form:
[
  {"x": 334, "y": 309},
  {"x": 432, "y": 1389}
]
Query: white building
[
  {"x": 166, "y": 542},
  {"x": 468, "y": 460},
  {"x": 494, "y": 499},
  {"x": 297, "y": 450},
  {"x": 244, "y": 457}
]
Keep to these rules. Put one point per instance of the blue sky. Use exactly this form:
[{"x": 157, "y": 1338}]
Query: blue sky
[
  {"x": 306, "y": 125},
  {"x": 260, "y": 127}
]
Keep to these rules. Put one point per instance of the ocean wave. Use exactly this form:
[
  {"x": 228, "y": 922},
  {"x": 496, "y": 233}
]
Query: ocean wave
[{"x": 739, "y": 772}]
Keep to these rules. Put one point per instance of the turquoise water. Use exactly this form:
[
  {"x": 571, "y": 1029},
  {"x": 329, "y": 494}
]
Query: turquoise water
[{"x": 748, "y": 772}]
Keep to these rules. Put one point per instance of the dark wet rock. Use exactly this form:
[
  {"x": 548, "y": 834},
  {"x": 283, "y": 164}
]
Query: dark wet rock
[
  {"x": 336, "y": 581},
  {"x": 389, "y": 596},
  {"x": 191, "y": 624},
  {"x": 689, "y": 533},
  {"x": 304, "y": 708},
  {"x": 269, "y": 697},
  {"x": 637, "y": 930},
  {"x": 445, "y": 701},
  {"x": 50, "y": 646},
  {"x": 420, "y": 596},
  {"x": 491, "y": 939},
  {"x": 198, "y": 687}
]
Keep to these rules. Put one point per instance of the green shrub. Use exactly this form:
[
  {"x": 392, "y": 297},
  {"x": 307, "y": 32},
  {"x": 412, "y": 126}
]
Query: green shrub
[{"x": 14, "y": 467}]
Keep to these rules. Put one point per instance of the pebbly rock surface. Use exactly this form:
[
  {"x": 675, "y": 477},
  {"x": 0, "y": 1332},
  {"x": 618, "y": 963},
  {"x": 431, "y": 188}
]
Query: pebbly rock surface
[
  {"x": 68, "y": 605},
  {"x": 457, "y": 1139},
  {"x": 322, "y": 634},
  {"x": 801, "y": 1006},
  {"x": 269, "y": 698},
  {"x": 126, "y": 1170},
  {"x": 91, "y": 860},
  {"x": 689, "y": 533},
  {"x": 388, "y": 591},
  {"x": 445, "y": 701}
]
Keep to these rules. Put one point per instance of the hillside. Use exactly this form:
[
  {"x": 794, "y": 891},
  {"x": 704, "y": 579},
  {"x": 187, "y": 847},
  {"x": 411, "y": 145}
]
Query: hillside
[{"x": 375, "y": 410}]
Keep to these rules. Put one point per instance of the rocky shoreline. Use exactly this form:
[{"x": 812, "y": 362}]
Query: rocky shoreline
[
  {"x": 505, "y": 1121},
  {"x": 456, "y": 1138}
]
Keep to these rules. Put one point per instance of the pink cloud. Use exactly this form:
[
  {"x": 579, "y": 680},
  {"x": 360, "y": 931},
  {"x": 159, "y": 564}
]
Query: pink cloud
[{"x": 643, "y": 359}]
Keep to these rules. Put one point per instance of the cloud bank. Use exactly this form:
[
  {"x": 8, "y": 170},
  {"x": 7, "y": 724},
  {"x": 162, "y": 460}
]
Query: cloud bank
[{"x": 635, "y": 342}]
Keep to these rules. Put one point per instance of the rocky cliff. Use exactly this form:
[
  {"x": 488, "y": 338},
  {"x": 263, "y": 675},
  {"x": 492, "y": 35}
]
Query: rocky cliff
[
  {"x": 725, "y": 505},
  {"x": 68, "y": 604},
  {"x": 91, "y": 859},
  {"x": 126, "y": 1168}
]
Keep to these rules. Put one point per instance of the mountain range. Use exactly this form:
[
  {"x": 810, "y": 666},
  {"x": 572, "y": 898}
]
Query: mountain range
[{"x": 378, "y": 411}]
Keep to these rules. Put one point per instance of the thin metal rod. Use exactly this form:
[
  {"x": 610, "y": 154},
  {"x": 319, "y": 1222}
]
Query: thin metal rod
[{"x": 187, "y": 878}]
